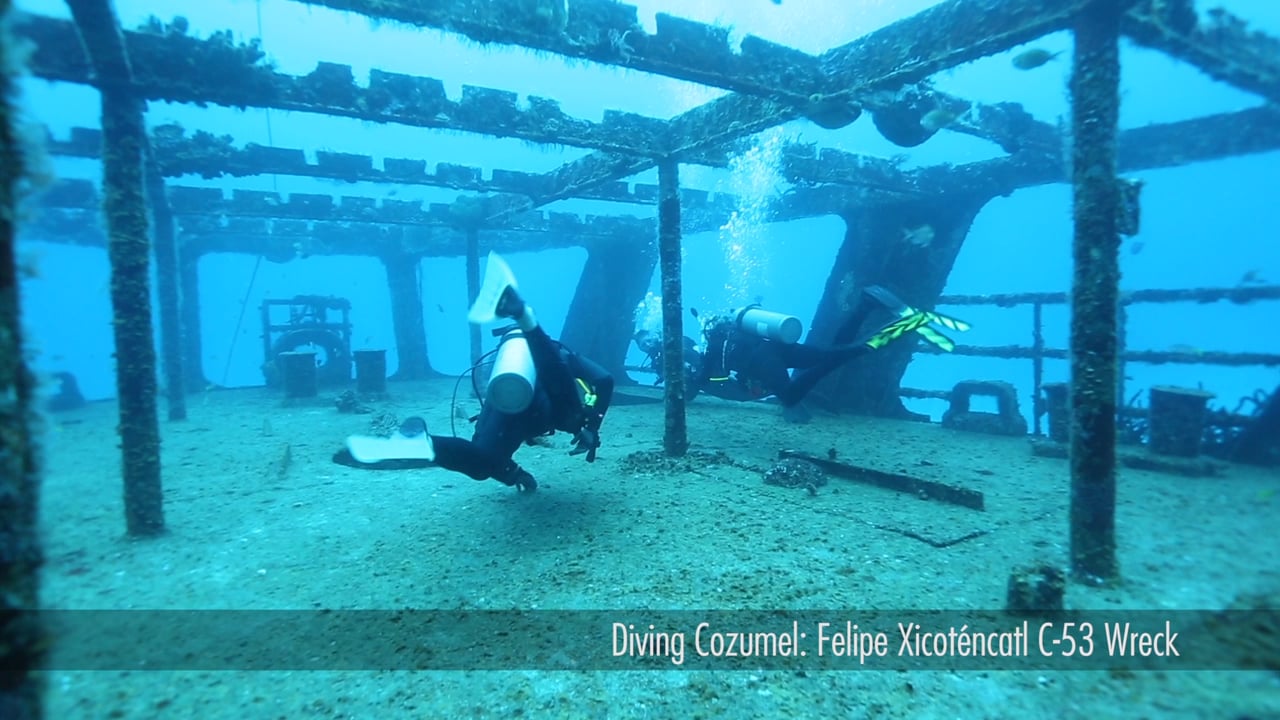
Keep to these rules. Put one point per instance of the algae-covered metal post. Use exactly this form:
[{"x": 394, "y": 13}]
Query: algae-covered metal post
[
  {"x": 166, "y": 252},
  {"x": 124, "y": 139},
  {"x": 1095, "y": 102},
  {"x": 675, "y": 439},
  {"x": 21, "y": 640},
  {"x": 473, "y": 286}
]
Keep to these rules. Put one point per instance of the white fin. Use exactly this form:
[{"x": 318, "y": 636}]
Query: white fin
[
  {"x": 497, "y": 278},
  {"x": 368, "y": 449}
]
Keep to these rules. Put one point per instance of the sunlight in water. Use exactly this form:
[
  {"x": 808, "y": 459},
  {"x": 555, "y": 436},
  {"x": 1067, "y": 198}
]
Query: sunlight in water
[{"x": 756, "y": 179}]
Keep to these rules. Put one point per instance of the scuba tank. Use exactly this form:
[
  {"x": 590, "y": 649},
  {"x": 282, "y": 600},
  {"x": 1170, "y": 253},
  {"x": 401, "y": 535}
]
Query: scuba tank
[
  {"x": 511, "y": 382},
  {"x": 765, "y": 324}
]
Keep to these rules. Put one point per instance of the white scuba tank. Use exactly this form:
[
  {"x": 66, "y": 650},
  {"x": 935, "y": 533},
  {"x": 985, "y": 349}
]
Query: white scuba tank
[
  {"x": 512, "y": 380},
  {"x": 774, "y": 326}
]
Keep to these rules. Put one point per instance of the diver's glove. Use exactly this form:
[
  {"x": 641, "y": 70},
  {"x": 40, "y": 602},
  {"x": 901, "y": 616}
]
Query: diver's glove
[{"x": 586, "y": 441}]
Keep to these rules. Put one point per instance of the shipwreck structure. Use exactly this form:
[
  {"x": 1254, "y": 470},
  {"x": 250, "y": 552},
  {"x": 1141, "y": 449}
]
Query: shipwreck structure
[{"x": 882, "y": 75}]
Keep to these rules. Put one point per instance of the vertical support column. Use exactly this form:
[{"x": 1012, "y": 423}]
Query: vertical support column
[
  {"x": 675, "y": 439},
  {"x": 166, "y": 253},
  {"x": 128, "y": 247},
  {"x": 601, "y": 319},
  {"x": 1095, "y": 80},
  {"x": 406, "y": 316},
  {"x": 189, "y": 314},
  {"x": 21, "y": 635},
  {"x": 124, "y": 141},
  {"x": 873, "y": 253},
  {"x": 473, "y": 287}
]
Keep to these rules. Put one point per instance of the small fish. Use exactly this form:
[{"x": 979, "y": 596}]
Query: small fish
[
  {"x": 1033, "y": 58},
  {"x": 1137, "y": 246},
  {"x": 936, "y": 119},
  {"x": 439, "y": 307},
  {"x": 919, "y": 236}
]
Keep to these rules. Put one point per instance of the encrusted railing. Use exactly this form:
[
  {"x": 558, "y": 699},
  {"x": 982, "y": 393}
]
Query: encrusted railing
[{"x": 1037, "y": 352}]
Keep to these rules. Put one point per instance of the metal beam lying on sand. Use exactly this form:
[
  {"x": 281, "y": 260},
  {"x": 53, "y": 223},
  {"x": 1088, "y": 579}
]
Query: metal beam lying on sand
[
  {"x": 942, "y": 492},
  {"x": 1095, "y": 104},
  {"x": 124, "y": 203}
]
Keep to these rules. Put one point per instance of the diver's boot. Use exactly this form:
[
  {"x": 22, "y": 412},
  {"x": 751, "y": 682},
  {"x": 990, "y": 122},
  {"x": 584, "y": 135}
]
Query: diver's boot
[
  {"x": 517, "y": 477},
  {"x": 511, "y": 305}
]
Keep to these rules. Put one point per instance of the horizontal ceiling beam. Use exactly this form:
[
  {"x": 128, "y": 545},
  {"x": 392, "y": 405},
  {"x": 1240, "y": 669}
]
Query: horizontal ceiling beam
[
  {"x": 1166, "y": 145},
  {"x": 1223, "y": 47},
  {"x": 948, "y": 34},
  {"x": 609, "y": 32},
  {"x": 212, "y": 202},
  {"x": 178, "y": 153},
  {"x": 69, "y": 212},
  {"x": 174, "y": 67},
  {"x": 282, "y": 240}
]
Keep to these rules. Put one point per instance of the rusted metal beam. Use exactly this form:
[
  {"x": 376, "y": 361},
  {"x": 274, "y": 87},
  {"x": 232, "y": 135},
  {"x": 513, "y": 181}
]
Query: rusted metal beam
[
  {"x": 1153, "y": 146},
  {"x": 281, "y": 239},
  {"x": 64, "y": 199},
  {"x": 943, "y": 36},
  {"x": 608, "y": 32},
  {"x": 1153, "y": 357},
  {"x": 169, "y": 65},
  {"x": 200, "y": 153},
  {"x": 1223, "y": 47},
  {"x": 1239, "y": 294}
]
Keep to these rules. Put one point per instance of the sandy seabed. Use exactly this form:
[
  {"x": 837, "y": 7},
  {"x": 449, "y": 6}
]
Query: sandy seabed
[{"x": 248, "y": 531}]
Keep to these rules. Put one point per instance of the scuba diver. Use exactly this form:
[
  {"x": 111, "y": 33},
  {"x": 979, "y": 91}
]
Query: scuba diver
[
  {"x": 749, "y": 351},
  {"x": 537, "y": 386}
]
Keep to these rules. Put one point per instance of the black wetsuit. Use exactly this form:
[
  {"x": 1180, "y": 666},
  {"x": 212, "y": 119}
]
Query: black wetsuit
[
  {"x": 741, "y": 366},
  {"x": 570, "y": 394}
]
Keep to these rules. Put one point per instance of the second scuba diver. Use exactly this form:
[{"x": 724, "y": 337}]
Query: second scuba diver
[{"x": 749, "y": 351}]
